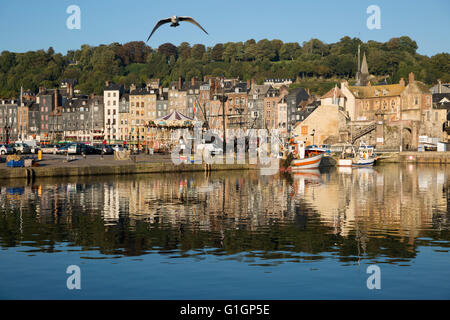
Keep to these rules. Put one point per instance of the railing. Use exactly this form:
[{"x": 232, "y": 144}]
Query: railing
[{"x": 363, "y": 132}]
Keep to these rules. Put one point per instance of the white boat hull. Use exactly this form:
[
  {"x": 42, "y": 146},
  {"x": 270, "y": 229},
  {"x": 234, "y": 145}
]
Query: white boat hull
[
  {"x": 345, "y": 162},
  {"x": 307, "y": 163},
  {"x": 364, "y": 162}
]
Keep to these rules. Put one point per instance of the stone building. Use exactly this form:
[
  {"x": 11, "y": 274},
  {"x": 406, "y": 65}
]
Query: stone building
[
  {"x": 256, "y": 97},
  {"x": 334, "y": 97},
  {"x": 271, "y": 108},
  {"x": 293, "y": 99},
  {"x": 162, "y": 103},
  {"x": 83, "y": 118},
  {"x": 9, "y": 128},
  {"x": 236, "y": 107},
  {"x": 142, "y": 111},
  {"x": 363, "y": 102},
  {"x": 177, "y": 97},
  {"x": 327, "y": 124}
]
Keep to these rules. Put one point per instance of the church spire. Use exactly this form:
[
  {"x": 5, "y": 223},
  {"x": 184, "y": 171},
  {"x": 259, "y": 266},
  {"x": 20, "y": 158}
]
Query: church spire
[{"x": 364, "y": 68}]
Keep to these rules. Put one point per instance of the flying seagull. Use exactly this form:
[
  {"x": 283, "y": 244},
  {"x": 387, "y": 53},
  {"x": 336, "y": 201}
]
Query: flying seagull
[{"x": 174, "y": 22}]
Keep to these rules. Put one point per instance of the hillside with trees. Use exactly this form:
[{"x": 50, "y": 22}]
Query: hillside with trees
[{"x": 314, "y": 62}]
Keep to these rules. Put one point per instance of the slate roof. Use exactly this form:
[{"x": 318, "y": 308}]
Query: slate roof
[{"x": 113, "y": 86}]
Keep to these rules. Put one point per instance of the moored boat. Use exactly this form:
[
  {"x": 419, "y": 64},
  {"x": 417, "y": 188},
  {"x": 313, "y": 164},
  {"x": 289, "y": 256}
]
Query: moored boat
[
  {"x": 306, "y": 158},
  {"x": 365, "y": 156}
]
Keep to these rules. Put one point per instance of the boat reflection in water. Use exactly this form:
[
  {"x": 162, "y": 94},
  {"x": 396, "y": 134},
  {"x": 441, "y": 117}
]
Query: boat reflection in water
[{"x": 304, "y": 178}]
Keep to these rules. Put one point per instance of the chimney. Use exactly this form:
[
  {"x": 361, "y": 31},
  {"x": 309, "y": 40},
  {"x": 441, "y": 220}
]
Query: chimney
[
  {"x": 41, "y": 89},
  {"x": 180, "y": 82},
  {"x": 132, "y": 87},
  {"x": 402, "y": 82},
  {"x": 193, "y": 81},
  {"x": 106, "y": 83},
  {"x": 307, "y": 91},
  {"x": 411, "y": 78},
  {"x": 440, "y": 86},
  {"x": 91, "y": 96},
  {"x": 253, "y": 82}
]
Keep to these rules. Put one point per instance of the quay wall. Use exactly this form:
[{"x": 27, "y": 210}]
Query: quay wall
[
  {"x": 68, "y": 171},
  {"x": 415, "y": 157}
]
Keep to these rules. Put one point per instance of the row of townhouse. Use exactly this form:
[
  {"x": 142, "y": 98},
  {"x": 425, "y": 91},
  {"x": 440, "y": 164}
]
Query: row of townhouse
[{"x": 123, "y": 114}]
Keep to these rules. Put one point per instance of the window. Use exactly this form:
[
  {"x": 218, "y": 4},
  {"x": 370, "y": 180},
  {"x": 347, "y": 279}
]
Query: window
[{"x": 304, "y": 130}]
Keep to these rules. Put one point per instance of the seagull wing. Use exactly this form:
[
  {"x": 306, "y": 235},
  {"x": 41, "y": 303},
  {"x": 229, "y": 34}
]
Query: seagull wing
[
  {"x": 160, "y": 23},
  {"x": 191, "y": 20}
]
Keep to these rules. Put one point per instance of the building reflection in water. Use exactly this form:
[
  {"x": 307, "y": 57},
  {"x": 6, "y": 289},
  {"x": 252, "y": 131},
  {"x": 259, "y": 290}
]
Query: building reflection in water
[{"x": 340, "y": 209}]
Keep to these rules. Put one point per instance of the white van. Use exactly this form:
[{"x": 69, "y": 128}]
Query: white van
[{"x": 32, "y": 144}]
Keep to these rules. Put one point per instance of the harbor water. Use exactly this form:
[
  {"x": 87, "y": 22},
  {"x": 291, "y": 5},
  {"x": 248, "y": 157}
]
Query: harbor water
[{"x": 229, "y": 235}]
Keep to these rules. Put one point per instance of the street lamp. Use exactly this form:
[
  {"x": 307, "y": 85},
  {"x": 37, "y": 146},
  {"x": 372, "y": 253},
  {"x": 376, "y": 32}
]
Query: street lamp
[{"x": 313, "y": 134}]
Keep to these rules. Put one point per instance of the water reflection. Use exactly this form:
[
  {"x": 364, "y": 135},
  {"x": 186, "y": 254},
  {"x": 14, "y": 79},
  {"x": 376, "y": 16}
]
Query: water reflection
[{"x": 382, "y": 213}]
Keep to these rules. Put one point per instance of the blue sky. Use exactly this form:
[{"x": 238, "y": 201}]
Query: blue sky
[{"x": 32, "y": 25}]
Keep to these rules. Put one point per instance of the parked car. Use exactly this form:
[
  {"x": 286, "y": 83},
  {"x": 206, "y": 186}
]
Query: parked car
[
  {"x": 91, "y": 149},
  {"x": 103, "y": 148},
  {"x": 77, "y": 148},
  {"x": 62, "y": 149},
  {"x": 49, "y": 148},
  {"x": 6, "y": 149},
  {"x": 21, "y": 148}
]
